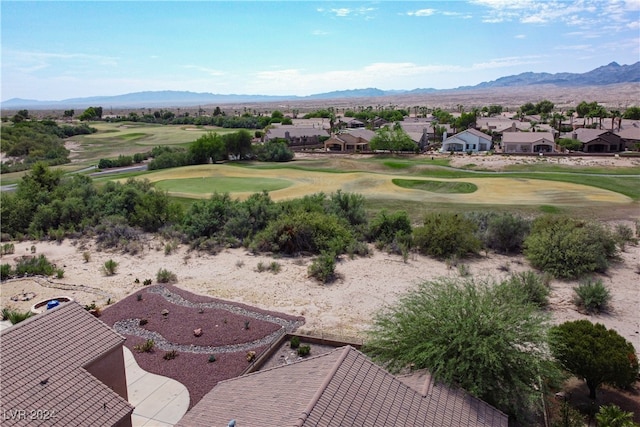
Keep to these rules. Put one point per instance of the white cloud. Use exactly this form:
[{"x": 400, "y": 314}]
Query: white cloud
[
  {"x": 587, "y": 14},
  {"x": 520, "y": 36},
  {"x": 422, "y": 12},
  {"x": 341, "y": 12},
  {"x": 320, "y": 33}
]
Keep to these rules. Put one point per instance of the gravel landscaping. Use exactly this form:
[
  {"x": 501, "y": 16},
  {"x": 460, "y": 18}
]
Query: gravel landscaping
[{"x": 229, "y": 332}]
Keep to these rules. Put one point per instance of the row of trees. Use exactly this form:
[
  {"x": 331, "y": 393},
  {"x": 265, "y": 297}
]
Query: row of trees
[{"x": 33, "y": 141}]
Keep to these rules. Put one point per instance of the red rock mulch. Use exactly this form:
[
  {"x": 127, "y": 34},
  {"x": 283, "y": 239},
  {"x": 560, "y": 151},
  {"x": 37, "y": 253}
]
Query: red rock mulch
[{"x": 192, "y": 369}]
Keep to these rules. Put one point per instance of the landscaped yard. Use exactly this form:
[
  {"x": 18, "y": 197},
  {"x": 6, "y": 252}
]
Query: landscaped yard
[{"x": 213, "y": 339}]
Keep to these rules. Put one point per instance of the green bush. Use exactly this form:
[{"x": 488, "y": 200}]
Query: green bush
[
  {"x": 445, "y": 234},
  {"x": 170, "y": 355},
  {"x": 304, "y": 232},
  {"x": 166, "y": 276},
  {"x": 593, "y": 296},
  {"x": 624, "y": 235},
  {"x": 612, "y": 416},
  {"x": 7, "y": 248},
  {"x": 5, "y": 271},
  {"x": 146, "y": 347},
  {"x": 212, "y": 358},
  {"x": 569, "y": 248},
  {"x": 110, "y": 267},
  {"x": 385, "y": 227},
  {"x": 294, "y": 342},
  {"x": 506, "y": 233},
  {"x": 323, "y": 267},
  {"x": 534, "y": 286},
  {"x": 30, "y": 266},
  {"x": 304, "y": 350},
  {"x": 15, "y": 316}
]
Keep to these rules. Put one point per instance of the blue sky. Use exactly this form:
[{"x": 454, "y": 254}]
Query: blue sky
[{"x": 56, "y": 50}]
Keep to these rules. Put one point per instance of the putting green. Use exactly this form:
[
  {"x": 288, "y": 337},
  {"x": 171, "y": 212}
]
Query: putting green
[{"x": 490, "y": 191}]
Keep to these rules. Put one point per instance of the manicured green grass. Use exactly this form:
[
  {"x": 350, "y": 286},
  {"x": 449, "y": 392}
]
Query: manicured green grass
[
  {"x": 451, "y": 187},
  {"x": 133, "y": 136},
  {"x": 221, "y": 185}
]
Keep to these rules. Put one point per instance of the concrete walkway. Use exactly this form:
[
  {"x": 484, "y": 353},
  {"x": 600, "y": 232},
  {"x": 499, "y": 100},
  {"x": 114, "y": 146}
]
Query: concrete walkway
[{"x": 159, "y": 401}]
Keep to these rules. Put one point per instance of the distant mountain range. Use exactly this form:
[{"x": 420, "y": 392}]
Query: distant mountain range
[{"x": 612, "y": 73}]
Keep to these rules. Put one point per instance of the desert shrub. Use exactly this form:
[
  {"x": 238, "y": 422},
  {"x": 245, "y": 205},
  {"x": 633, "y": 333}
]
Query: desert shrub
[
  {"x": 624, "y": 235},
  {"x": 5, "y": 271},
  {"x": 114, "y": 232},
  {"x": 348, "y": 206},
  {"x": 143, "y": 322},
  {"x": 207, "y": 218},
  {"x": 261, "y": 267},
  {"x": 166, "y": 276},
  {"x": 212, "y": 358},
  {"x": 569, "y": 248},
  {"x": 323, "y": 267},
  {"x": 15, "y": 316},
  {"x": 385, "y": 227},
  {"x": 59, "y": 273},
  {"x": 534, "y": 287},
  {"x": 250, "y": 216},
  {"x": 170, "y": 355},
  {"x": 7, "y": 248},
  {"x": 299, "y": 232},
  {"x": 294, "y": 342},
  {"x": 147, "y": 282},
  {"x": 275, "y": 267},
  {"x": 86, "y": 256},
  {"x": 506, "y": 233},
  {"x": 356, "y": 247},
  {"x": 110, "y": 267},
  {"x": 170, "y": 247},
  {"x": 592, "y": 296},
  {"x": 463, "y": 270},
  {"x": 304, "y": 350},
  {"x": 445, "y": 234},
  {"x": 30, "y": 266},
  {"x": 146, "y": 347}
]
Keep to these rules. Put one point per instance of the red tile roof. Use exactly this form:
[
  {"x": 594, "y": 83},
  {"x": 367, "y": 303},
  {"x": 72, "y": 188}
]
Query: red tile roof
[
  {"x": 42, "y": 369},
  {"x": 339, "y": 388}
]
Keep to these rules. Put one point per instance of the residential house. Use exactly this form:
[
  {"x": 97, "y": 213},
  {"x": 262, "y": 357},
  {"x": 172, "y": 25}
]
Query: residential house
[
  {"x": 339, "y": 388},
  {"x": 528, "y": 142},
  {"x": 598, "y": 140},
  {"x": 630, "y": 134},
  {"x": 352, "y": 140},
  {"x": 298, "y": 136},
  {"x": 350, "y": 122},
  {"x": 422, "y": 131},
  {"x": 469, "y": 140},
  {"x": 63, "y": 367}
]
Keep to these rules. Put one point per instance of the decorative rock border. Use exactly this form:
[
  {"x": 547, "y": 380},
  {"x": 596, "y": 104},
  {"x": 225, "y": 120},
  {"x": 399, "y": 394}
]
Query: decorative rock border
[{"x": 132, "y": 326}]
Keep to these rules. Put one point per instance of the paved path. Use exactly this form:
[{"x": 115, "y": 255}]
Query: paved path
[{"x": 159, "y": 401}]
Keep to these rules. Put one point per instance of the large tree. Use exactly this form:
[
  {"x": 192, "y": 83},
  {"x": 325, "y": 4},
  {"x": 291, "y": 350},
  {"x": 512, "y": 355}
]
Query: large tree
[
  {"x": 392, "y": 139},
  {"x": 483, "y": 337},
  {"x": 595, "y": 353}
]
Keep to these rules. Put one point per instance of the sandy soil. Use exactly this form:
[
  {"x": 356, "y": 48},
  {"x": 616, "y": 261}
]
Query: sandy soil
[{"x": 343, "y": 308}]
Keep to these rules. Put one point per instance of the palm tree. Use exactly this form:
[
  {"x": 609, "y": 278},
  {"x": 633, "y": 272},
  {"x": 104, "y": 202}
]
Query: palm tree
[{"x": 614, "y": 114}]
